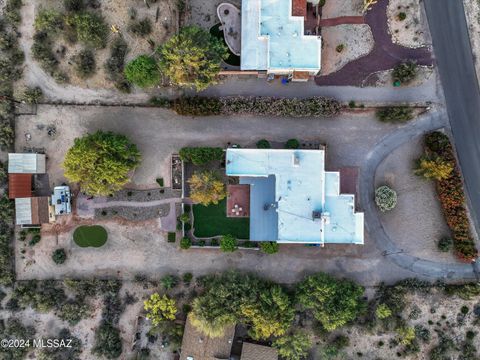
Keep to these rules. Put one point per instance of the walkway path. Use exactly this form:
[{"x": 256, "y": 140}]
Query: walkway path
[
  {"x": 432, "y": 269},
  {"x": 384, "y": 56},
  {"x": 341, "y": 20}
]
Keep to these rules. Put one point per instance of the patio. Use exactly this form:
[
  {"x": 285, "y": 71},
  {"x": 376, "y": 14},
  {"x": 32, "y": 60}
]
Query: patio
[{"x": 238, "y": 200}]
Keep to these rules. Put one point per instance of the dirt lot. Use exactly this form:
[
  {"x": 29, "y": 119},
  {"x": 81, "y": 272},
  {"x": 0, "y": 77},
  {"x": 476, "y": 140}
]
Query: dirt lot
[
  {"x": 204, "y": 12},
  {"x": 117, "y": 14},
  {"x": 407, "y": 23},
  {"x": 418, "y": 214},
  {"x": 355, "y": 40}
]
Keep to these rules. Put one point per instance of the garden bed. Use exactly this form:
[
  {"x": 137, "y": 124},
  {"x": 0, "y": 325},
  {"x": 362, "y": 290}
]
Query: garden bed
[
  {"x": 212, "y": 220},
  {"x": 452, "y": 197},
  {"x": 144, "y": 195},
  {"x": 133, "y": 213}
]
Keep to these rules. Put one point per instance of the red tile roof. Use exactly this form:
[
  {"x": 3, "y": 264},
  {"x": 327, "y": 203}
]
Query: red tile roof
[
  {"x": 299, "y": 8},
  {"x": 19, "y": 186}
]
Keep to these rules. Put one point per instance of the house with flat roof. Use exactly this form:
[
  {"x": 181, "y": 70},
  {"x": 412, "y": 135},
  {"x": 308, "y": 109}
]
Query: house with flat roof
[
  {"x": 274, "y": 37},
  {"x": 292, "y": 199}
]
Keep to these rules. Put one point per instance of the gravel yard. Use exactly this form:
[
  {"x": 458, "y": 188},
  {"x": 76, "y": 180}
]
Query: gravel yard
[{"x": 407, "y": 23}]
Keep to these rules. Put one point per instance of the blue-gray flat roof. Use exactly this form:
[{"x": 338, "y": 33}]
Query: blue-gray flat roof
[{"x": 263, "y": 223}]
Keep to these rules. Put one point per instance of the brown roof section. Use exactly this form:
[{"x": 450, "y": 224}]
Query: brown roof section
[
  {"x": 201, "y": 347},
  {"x": 40, "y": 210},
  {"x": 258, "y": 352},
  {"x": 238, "y": 200},
  {"x": 299, "y": 8},
  {"x": 19, "y": 186}
]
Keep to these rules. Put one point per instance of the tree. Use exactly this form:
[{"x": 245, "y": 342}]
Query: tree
[
  {"x": 294, "y": 346},
  {"x": 269, "y": 247},
  {"x": 383, "y": 311},
  {"x": 292, "y": 144},
  {"x": 206, "y": 188},
  {"x": 59, "y": 256},
  {"x": 433, "y": 167},
  {"x": 91, "y": 28},
  {"x": 333, "y": 302},
  {"x": 263, "y": 144},
  {"x": 160, "y": 309},
  {"x": 101, "y": 162},
  {"x": 142, "y": 71},
  {"x": 228, "y": 243},
  {"x": 385, "y": 198},
  {"x": 395, "y": 114},
  {"x": 192, "y": 58},
  {"x": 185, "y": 243},
  {"x": 404, "y": 72}
]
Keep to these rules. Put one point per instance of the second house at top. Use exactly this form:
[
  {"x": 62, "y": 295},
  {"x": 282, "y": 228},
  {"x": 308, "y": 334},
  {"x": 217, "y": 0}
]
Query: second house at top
[{"x": 276, "y": 37}]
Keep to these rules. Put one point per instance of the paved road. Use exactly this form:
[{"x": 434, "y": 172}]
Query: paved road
[
  {"x": 421, "y": 267},
  {"x": 455, "y": 62}
]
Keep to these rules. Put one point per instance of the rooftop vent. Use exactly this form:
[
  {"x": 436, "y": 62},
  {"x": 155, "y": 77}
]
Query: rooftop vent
[
  {"x": 316, "y": 214},
  {"x": 296, "y": 160}
]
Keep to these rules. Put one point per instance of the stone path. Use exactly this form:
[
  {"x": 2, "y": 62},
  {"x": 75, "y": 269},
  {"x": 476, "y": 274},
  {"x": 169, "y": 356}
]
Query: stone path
[{"x": 384, "y": 56}]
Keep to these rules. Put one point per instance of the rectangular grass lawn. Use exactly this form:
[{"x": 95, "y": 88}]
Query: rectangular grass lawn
[{"x": 212, "y": 221}]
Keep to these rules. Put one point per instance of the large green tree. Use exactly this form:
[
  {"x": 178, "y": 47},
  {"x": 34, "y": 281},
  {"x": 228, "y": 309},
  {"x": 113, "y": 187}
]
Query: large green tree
[
  {"x": 192, "y": 58},
  {"x": 333, "y": 302},
  {"x": 294, "y": 346},
  {"x": 101, "y": 162}
]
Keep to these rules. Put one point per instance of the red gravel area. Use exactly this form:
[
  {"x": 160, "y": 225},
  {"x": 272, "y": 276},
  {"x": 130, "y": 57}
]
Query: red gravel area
[
  {"x": 342, "y": 20},
  {"x": 384, "y": 56}
]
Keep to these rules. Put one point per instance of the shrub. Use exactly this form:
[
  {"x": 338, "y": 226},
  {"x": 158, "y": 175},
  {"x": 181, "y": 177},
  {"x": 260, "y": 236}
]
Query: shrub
[
  {"x": 294, "y": 346},
  {"x": 160, "y": 309},
  {"x": 32, "y": 95},
  {"x": 228, "y": 243},
  {"x": 192, "y": 58},
  {"x": 340, "y": 48},
  {"x": 383, "y": 311},
  {"x": 269, "y": 247},
  {"x": 169, "y": 281},
  {"x": 171, "y": 237},
  {"x": 185, "y": 243},
  {"x": 112, "y": 156},
  {"x": 159, "y": 181},
  {"x": 187, "y": 278},
  {"x": 160, "y": 102},
  {"x": 49, "y": 21},
  {"x": 206, "y": 188},
  {"x": 292, "y": 144},
  {"x": 406, "y": 335},
  {"x": 116, "y": 62},
  {"x": 464, "y": 310},
  {"x": 263, "y": 144},
  {"x": 352, "y": 104},
  {"x": 35, "y": 239},
  {"x": 395, "y": 114},
  {"x": 197, "y": 106},
  {"x": 74, "y": 5},
  {"x": 445, "y": 244},
  {"x": 141, "y": 27},
  {"x": 185, "y": 217},
  {"x": 433, "y": 167},
  {"x": 74, "y": 311},
  {"x": 142, "y": 71},
  {"x": 84, "y": 63},
  {"x": 91, "y": 29},
  {"x": 59, "y": 256},
  {"x": 41, "y": 51},
  {"x": 108, "y": 342},
  {"x": 401, "y": 16},
  {"x": 385, "y": 198},
  {"x": 201, "y": 155},
  {"x": 405, "y": 72}
]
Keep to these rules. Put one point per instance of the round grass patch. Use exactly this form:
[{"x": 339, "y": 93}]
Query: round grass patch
[{"x": 86, "y": 236}]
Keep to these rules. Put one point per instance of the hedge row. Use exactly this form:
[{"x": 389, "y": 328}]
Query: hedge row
[
  {"x": 265, "y": 106},
  {"x": 452, "y": 198},
  {"x": 201, "y": 155}
]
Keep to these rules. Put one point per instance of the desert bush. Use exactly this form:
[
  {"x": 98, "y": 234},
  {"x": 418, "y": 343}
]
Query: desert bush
[
  {"x": 263, "y": 144},
  {"x": 32, "y": 95},
  {"x": 269, "y": 247},
  {"x": 185, "y": 243},
  {"x": 90, "y": 28},
  {"x": 73, "y": 351},
  {"x": 160, "y": 102},
  {"x": 74, "y": 311},
  {"x": 187, "y": 278},
  {"x": 201, "y": 155},
  {"x": 74, "y": 5},
  {"x": 42, "y": 52},
  {"x": 395, "y": 114},
  {"x": 160, "y": 309},
  {"x": 228, "y": 243},
  {"x": 142, "y": 71},
  {"x": 84, "y": 63},
  {"x": 445, "y": 244},
  {"x": 11, "y": 11},
  {"x": 405, "y": 72},
  {"x": 7, "y": 134},
  {"x": 141, "y": 27},
  {"x": 169, "y": 281},
  {"x": 59, "y": 256},
  {"x": 197, "y": 106},
  {"x": 292, "y": 144},
  {"x": 385, "y": 198},
  {"x": 383, "y": 311},
  {"x": 293, "y": 346},
  {"x": 49, "y": 21},
  {"x": 463, "y": 291},
  {"x": 108, "y": 342}
]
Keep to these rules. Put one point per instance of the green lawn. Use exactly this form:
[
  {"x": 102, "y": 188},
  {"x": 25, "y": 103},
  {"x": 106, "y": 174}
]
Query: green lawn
[
  {"x": 212, "y": 221},
  {"x": 85, "y": 236}
]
